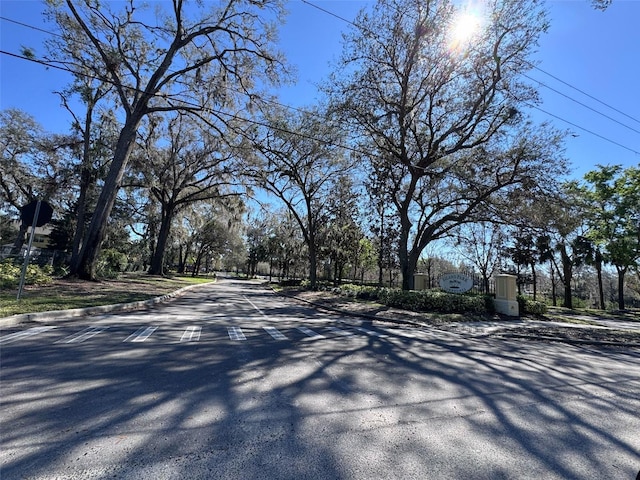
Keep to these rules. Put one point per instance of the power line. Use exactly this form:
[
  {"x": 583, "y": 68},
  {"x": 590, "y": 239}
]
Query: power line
[
  {"x": 32, "y": 27},
  {"x": 348, "y": 148},
  {"x": 339, "y": 17},
  {"x": 580, "y": 103},
  {"x": 362, "y": 28},
  {"x": 211, "y": 110},
  {"x": 585, "y": 129},
  {"x": 584, "y": 93}
]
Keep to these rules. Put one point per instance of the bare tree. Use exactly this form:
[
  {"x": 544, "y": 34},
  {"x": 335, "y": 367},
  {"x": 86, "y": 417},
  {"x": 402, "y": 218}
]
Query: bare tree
[
  {"x": 442, "y": 114},
  {"x": 481, "y": 244},
  {"x": 299, "y": 162}
]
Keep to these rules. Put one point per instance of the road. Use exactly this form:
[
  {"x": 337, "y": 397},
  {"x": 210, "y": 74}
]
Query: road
[{"x": 232, "y": 381}]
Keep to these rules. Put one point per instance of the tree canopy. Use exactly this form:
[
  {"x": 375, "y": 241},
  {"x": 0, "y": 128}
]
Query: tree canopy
[
  {"x": 442, "y": 115},
  {"x": 202, "y": 59}
]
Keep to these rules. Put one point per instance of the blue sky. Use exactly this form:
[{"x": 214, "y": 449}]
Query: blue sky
[{"x": 594, "y": 51}]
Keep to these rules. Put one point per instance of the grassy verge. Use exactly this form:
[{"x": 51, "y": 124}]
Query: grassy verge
[
  {"x": 68, "y": 294},
  {"x": 590, "y": 316}
]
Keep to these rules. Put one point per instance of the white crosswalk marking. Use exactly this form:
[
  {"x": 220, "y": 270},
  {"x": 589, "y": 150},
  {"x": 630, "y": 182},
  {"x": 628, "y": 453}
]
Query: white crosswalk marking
[
  {"x": 275, "y": 333},
  {"x": 140, "y": 335},
  {"x": 83, "y": 335},
  {"x": 372, "y": 333},
  {"x": 24, "y": 334},
  {"x": 339, "y": 331},
  {"x": 235, "y": 333},
  {"x": 310, "y": 332},
  {"x": 191, "y": 334}
]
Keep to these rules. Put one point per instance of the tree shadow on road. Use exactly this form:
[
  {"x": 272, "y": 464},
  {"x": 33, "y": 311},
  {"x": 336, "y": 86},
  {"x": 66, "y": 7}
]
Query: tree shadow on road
[{"x": 399, "y": 404}]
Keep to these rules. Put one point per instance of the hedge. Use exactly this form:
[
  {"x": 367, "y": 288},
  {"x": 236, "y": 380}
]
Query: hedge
[
  {"x": 419, "y": 300},
  {"x": 526, "y": 305}
]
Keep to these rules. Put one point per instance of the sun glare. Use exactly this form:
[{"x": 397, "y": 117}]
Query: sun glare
[{"x": 464, "y": 28}]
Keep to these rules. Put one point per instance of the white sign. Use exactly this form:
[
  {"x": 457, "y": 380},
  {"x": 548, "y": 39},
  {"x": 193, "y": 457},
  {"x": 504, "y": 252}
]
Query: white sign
[{"x": 455, "y": 283}]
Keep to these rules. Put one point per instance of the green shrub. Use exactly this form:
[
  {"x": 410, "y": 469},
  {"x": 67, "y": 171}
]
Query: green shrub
[
  {"x": 533, "y": 307},
  {"x": 9, "y": 274},
  {"x": 419, "y": 301},
  {"x": 357, "y": 291},
  {"x": 35, "y": 274},
  {"x": 111, "y": 263}
]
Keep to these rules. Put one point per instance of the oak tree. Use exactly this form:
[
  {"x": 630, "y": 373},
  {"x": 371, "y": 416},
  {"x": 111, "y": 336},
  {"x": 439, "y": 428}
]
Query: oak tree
[
  {"x": 197, "y": 57},
  {"x": 442, "y": 109}
]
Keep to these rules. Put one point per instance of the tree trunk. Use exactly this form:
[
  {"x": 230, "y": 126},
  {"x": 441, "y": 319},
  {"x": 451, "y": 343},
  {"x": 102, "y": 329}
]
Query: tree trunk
[
  {"x": 534, "y": 277},
  {"x": 85, "y": 184},
  {"x": 567, "y": 274},
  {"x": 157, "y": 261},
  {"x": 313, "y": 266},
  {"x": 184, "y": 255},
  {"x": 85, "y": 266},
  {"x": 553, "y": 285},
  {"x": 381, "y": 251},
  {"x": 621, "y": 274},
  {"x": 403, "y": 256},
  {"x": 600, "y": 287}
]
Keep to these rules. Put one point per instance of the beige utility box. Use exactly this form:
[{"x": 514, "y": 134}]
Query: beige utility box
[
  {"x": 420, "y": 281},
  {"x": 506, "y": 302}
]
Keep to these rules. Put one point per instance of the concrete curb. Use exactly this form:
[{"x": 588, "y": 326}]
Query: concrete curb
[{"x": 72, "y": 314}]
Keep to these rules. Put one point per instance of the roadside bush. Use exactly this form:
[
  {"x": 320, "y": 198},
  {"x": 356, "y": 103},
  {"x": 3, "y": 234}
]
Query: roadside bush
[
  {"x": 357, "y": 291},
  {"x": 111, "y": 263},
  {"x": 420, "y": 300},
  {"x": 533, "y": 307},
  {"x": 35, "y": 274},
  {"x": 9, "y": 274}
]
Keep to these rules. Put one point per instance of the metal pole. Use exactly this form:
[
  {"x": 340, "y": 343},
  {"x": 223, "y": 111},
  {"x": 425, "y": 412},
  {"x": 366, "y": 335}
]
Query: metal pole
[{"x": 26, "y": 257}]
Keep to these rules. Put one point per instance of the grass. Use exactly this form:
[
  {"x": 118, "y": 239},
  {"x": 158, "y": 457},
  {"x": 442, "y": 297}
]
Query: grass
[
  {"x": 573, "y": 316},
  {"x": 69, "y": 294}
]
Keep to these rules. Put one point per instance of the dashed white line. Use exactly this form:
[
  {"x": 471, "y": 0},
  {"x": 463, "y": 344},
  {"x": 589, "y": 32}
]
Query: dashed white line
[
  {"x": 254, "y": 306},
  {"x": 24, "y": 334},
  {"x": 310, "y": 332},
  {"x": 340, "y": 332},
  {"x": 235, "y": 333},
  {"x": 191, "y": 334},
  {"x": 83, "y": 335},
  {"x": 275, "y": 333},
  {"x": 140, "y": 335}
]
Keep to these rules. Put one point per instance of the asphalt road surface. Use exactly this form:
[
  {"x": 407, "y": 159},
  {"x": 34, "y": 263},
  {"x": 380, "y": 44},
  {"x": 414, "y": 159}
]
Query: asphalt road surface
[{"x": 233, "y": 382}]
